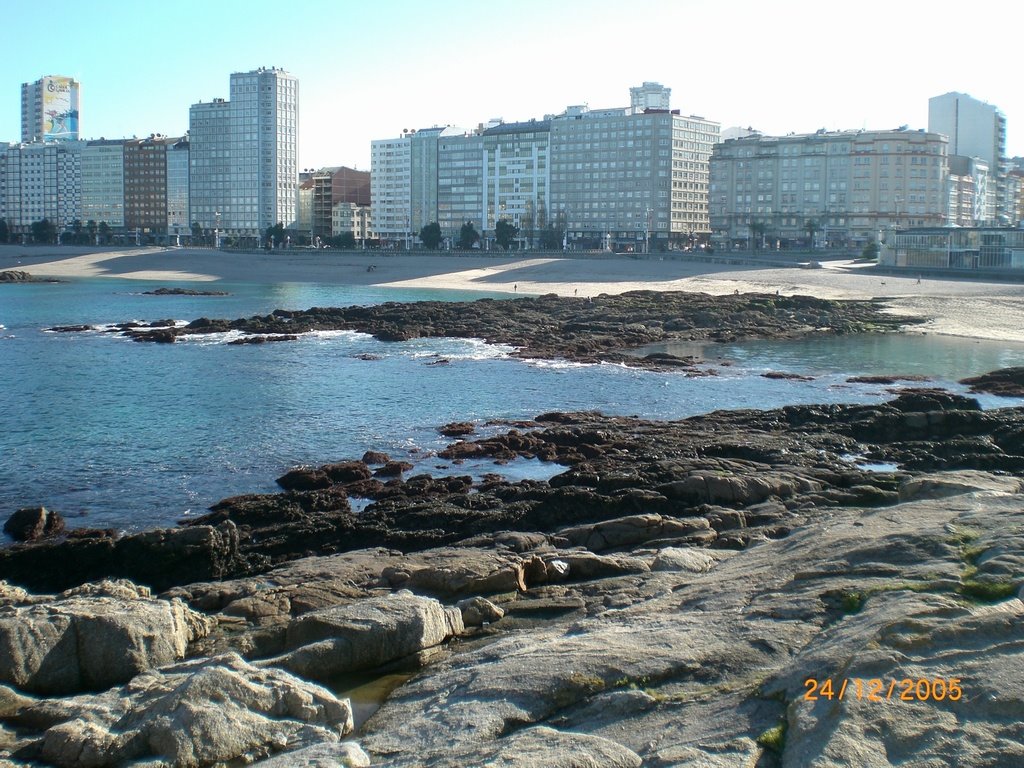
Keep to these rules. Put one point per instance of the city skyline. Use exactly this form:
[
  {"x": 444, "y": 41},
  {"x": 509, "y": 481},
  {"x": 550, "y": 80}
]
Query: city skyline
[{"x": 369, "y": 72}]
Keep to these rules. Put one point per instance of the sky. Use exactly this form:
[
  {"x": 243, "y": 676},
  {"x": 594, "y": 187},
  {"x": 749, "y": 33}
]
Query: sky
[{"x": 368, "y": 70}]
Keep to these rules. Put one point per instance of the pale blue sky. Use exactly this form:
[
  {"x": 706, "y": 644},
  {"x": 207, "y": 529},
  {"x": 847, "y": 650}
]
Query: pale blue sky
[{"x": 369, "y": 69}]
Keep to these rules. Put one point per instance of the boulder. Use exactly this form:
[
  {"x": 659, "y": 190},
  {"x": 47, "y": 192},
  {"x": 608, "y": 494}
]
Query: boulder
[
  {"x": 477, "y": 611},
  {"x": 630, "y": 531},
  {"x": 31, "y": 523},
  {"x": 347, "y": 754},
  {"x": 93, "y": 638},
  {"x": 198, "y": 713},
  {"x": 366, "y": 634}
]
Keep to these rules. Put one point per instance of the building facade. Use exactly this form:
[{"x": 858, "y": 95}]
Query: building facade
[
  {"x": 390, "y": 190},
  {"x": 631, "y": 180},
  {"x": 177, "y": 189},
  {"x": 827, "y": 188},
  {"x": 244, "y": 155},
  {"x": 103, "y": 182},
  {"x": 209, "y": 164},
  {"x": 145, "y": 186},
  {"x": 634, "y": 177},
  {"x": 42, "y": 181},
  {"x": 977, "y": 130},
  {"x": 331, "y": 186},
  {"x": 354, "y": 218},
  {"x": 49, "y": 109}
]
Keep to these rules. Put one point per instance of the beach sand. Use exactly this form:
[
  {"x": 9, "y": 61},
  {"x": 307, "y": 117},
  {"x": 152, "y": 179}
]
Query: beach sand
[{"x": 960, "y": 307}]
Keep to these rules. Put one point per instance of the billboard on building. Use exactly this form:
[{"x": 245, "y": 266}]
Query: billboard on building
[{"x": 60, "y": 109}]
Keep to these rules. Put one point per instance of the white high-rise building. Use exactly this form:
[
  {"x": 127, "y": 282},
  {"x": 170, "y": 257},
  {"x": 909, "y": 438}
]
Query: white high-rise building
[
  {"x": 49, "y": 109},
  {"x": 244, "y": 155},
  {"x": 390, "y": 192},
  {"x": 974, "y": 129},
  {"x": 649, "y": 96}
]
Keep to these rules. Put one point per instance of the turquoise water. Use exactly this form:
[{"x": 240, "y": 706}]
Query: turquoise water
[{"x": 114, "y": 433}]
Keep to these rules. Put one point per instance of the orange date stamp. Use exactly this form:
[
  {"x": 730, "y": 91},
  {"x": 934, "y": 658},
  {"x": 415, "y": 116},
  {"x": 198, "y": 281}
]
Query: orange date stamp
[{"x": 877, "y": 689}]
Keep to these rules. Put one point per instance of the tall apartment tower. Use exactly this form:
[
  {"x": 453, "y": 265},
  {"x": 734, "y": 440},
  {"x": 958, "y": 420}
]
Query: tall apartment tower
[
  {"x": 649, "y": 96},
  {"x": 974, "y": 129},
  {"x": 244, "y": 155},
  {"x": 49, "y": 109}
]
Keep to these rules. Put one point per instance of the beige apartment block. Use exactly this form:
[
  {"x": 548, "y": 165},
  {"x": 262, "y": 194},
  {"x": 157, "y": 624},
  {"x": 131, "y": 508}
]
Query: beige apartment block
[{"x": 826, "y": 189}]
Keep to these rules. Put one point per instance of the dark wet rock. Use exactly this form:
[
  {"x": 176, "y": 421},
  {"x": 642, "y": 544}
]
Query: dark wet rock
[
  {"x": 458, "y": 429},
  {"x": 264, "y": 338},
  {"x": 885, "y": 379},
  {"x": 1006, "y": 382},
  {"x": 183, "y": 292},
  {"x": 723, "y": 480},
  {"x": 158, "y": 335},
  {"x": 71, "y": 328},
  {"x": 375, "y": 457},
  {"x": 393, "y": 469},
  {"x": 605, "y": 329},
  {"x": 33, "y": 523},
  {"x": 786, "y": 376},
  {"x": 159, "y": 558}
]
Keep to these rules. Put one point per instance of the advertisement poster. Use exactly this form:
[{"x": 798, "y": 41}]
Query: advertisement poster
[{"x": 60, "y": 109}]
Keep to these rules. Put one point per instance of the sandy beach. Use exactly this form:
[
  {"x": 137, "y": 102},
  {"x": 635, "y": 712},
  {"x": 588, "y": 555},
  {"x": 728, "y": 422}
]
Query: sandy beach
[{"x": 960, "y": 307}]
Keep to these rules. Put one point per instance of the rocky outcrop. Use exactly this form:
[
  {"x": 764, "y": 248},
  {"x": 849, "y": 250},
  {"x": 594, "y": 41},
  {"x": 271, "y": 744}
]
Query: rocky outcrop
[
  {"x": 93, "y": 637},
  {"x": 198, "y": 713},
  {"x": 33, "y": 523},
  {"x": 725, "y": 480},
  {"x": 711, "y": 667},
  {"x": 588, "y": 330},
  {"x": 183, "y": 292},
  {"x": 1006, "y": 382},
  {"x": 366, "y": 634},
  {"x": 158, "y": 559}
]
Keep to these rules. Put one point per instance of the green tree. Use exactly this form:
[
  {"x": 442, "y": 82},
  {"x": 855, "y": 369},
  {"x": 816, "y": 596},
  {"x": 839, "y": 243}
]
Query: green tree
[
  {"x": 430, "y": 236},
  {"x": 811, "y": 227},
  {"x": 468, "y": 236},
  {"x": 758, "y": 230},
  {"x": 43, "y": 231},
  {"x": 551, "y": 238},
  {"x": 505, "y": 233},
  {"x": 870, "y": 250},
  {"x": 345, "y": 240},
  {"x": 104, "y": 232},
  {"x": 5, "y": 232},
  {"x": 275, "y": 235},
  {"x": 197, "y": 232}
]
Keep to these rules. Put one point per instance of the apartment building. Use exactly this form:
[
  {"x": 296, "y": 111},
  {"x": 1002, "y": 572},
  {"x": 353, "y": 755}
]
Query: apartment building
[
  {"x": 826, "y": 188},
  {"x": 631, "y": 180},
  {"x": 41, "y": 181},
  {"x": 975, "y": 130},
  {"x": 103, "y": 182},
  {"x": 49, "y": 109},
  {"x": 390, "y": 190},
  {"x": 635, "y": 177},
  {"x": 177, "y": 188},
  {"x": 244, "y": 155},
  {"x": 330, "y": 187}
]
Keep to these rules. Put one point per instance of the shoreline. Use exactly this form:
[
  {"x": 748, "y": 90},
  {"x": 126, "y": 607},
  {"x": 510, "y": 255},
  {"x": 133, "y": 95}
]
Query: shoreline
[{"x": 958, "y": 307}]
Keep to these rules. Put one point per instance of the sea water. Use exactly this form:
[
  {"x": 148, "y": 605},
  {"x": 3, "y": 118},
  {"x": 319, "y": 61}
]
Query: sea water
[{"x": 113, "y": 433}]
